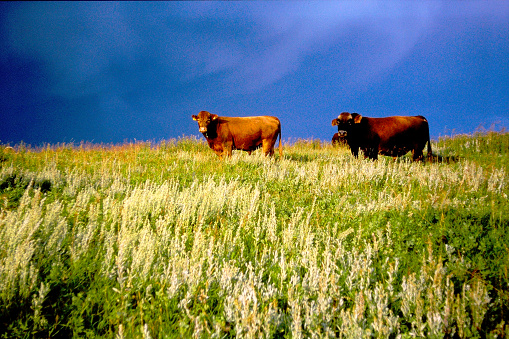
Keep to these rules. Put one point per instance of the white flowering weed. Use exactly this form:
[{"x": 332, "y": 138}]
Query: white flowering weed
[{"x": 165, "y": 240}]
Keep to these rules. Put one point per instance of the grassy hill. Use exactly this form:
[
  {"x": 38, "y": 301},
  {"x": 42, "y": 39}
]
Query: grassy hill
[{"x": 166, "y": 240}]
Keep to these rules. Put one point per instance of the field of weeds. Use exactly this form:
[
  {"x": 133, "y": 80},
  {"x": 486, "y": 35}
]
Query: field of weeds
[{"x": 163, "y": 240}]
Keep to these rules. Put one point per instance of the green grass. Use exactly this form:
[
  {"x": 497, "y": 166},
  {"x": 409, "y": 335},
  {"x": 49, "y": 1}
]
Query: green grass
[{"x": 165, "y": 240}]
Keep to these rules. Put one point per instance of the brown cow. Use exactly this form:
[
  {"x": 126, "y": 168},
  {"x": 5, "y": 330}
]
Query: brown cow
[
  {"x": 338, "y": 139},
  {"x": 247, "y": 133},
  {"x": 392, "y": 136}
]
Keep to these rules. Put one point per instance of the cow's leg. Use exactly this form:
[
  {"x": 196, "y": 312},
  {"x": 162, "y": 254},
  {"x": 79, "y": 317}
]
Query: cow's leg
[
  {"x": 228, "y": 149},
  {"x": 417, "y": 154},
  {"x": 373, "y": 153},
  {"x": 355, "y": 151},
  {"x": 268, "y": 147},
  {"x": 218, "y": 149},
  {"x": 366, "y": 153}
]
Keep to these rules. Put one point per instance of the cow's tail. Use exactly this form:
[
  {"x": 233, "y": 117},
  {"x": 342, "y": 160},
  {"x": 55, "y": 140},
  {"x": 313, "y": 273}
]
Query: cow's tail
[
  {"x": 280, "y": 145},
  {"x": 430, "y": 153}
]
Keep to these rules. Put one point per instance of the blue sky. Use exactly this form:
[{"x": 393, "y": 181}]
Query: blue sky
[{"x": 117, "y": 71}]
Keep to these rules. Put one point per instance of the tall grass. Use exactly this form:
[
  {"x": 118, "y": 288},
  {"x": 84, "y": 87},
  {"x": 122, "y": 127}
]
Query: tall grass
[{"x": 163, "y": 239}]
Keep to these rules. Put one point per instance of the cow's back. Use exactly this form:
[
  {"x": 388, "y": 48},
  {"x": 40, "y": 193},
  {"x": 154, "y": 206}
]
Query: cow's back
[
  {"x": 248, "y": 132},
  {"x": 254, "y": 127},
  {"x": 248, "y": 125},
  {"x": 400, "y": 129}
]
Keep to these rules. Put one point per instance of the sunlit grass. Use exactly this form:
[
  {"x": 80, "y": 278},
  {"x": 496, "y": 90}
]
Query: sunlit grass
[{"x": 165, "y": 239}]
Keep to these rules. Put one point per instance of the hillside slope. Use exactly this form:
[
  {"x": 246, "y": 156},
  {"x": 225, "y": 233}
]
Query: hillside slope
[{"x": 166, "y": 240}]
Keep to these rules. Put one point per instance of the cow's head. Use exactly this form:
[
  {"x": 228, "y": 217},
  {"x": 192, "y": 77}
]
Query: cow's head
[
  {"x": 345, "y": 122},
  {"x": 204, "y": 119}
]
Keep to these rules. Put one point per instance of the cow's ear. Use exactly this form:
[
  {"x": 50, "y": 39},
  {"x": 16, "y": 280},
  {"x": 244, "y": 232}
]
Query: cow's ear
[
  {"x": 334, "y": 122},
  {"x": 357, "y": 118},
  {"x": 214, "y": 116},
  {"x": 195, "y": 118}
]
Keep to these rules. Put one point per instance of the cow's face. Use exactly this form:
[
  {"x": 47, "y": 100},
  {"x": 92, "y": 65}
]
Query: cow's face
[
  {"x": 345, "y": 121},
  {"x": 204, "y": 119}
]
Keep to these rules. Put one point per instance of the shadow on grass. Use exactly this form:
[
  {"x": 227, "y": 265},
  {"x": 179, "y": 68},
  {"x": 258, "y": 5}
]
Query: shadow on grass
[
  {"x": 299, "y": 157},
  {"x": 448, "y": 159},
  {"x": 434, "y": 158}
]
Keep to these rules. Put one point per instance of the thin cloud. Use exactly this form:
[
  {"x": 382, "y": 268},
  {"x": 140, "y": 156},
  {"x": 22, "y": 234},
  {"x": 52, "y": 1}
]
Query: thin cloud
[
  {"x": 80, "y": 42},
  {"x": 289, "y": 33}
]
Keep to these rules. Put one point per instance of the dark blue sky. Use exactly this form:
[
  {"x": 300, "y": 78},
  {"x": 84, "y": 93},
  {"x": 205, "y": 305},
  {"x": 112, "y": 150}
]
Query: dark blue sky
[{"x": 116, "y": 71}]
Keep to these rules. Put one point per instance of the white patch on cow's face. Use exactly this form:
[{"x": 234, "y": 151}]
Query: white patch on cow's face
[
  {"x": 203, "y": 124},
  {"x": 203, "y": 119}
]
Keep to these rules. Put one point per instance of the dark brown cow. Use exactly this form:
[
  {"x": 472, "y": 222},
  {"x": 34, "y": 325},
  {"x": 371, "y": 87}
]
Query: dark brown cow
[
  {"x": 338, "y": 139},
  {"x": 225, "y": 134},
  {"x": 392, "y": 136}
]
